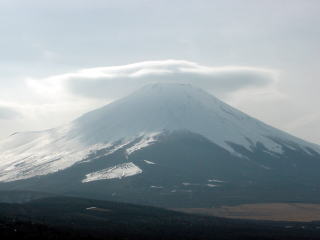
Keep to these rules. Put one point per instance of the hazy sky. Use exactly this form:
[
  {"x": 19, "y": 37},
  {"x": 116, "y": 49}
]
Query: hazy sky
[{"x": 59, "y": 59}]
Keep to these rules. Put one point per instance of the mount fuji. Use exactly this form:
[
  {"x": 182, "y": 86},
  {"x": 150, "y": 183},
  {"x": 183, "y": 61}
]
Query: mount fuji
[{"x": 170, "y": 145}]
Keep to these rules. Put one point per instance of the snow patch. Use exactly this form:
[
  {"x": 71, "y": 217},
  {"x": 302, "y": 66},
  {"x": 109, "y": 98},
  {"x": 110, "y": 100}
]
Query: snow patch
[
  {"x": 212, "y": 185},
  {"x": 152, "y": 186},
  {"x": 143, "y": 143},
  {"x": 91, "y": 208},
  {"x": 190, "y": 184},
  {"x": 149, "y": 162},
  {"x": 119, "y": 171},
  {"x": 215, "y": 180},
  {"x": 186, "y": 184}
]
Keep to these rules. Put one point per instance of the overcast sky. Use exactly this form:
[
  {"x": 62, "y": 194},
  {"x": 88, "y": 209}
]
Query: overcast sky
[{"x": 59, "y": 59}]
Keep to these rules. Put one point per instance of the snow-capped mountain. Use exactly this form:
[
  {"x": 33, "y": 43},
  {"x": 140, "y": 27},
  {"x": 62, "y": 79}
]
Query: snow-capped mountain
[{"x": 102, "y": 146}]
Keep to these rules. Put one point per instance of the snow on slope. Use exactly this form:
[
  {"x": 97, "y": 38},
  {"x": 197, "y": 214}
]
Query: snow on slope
[
  {"x": 146, "y": 141},
  {"x": 118, "y": 171},
  {"x": 142, "y": 115},
  {"x": 42, "y": 153},
  {"x": 25, "y": 155}
]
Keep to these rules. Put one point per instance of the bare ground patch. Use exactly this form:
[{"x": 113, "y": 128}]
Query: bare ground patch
[{"x": 263, "y": 211}]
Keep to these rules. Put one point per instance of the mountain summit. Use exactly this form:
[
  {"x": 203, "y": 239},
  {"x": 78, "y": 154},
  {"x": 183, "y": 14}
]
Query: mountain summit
[
  {"x": 150, "y": 131},
  {"x": 168, "y": 106}
]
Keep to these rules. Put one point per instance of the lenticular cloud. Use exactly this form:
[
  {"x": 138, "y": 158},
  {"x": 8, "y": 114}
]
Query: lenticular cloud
[{"x": 117, "y": 81}]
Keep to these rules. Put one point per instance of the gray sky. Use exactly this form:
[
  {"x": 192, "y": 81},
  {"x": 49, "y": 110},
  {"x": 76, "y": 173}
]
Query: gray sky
[{"x": 261, "y": 56}]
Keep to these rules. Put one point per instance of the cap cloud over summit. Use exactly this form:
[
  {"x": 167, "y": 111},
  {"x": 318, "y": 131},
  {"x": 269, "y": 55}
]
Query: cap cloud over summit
[
  {"x": 117, "y": 81},
  {"x": 51, "y": 101}
]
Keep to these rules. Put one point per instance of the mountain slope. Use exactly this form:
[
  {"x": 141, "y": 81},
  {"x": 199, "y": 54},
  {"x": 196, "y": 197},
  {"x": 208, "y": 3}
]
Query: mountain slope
[
  {"x": 165, "y": 141},
  {"x": 149, "y": 111}
]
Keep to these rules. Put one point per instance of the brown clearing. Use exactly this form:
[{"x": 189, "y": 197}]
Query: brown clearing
[{"x": 263, "y": 211}]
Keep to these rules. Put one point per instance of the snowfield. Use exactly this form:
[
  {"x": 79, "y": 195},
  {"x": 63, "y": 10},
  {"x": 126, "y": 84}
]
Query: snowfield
[{"x": 118, "y": 171}]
